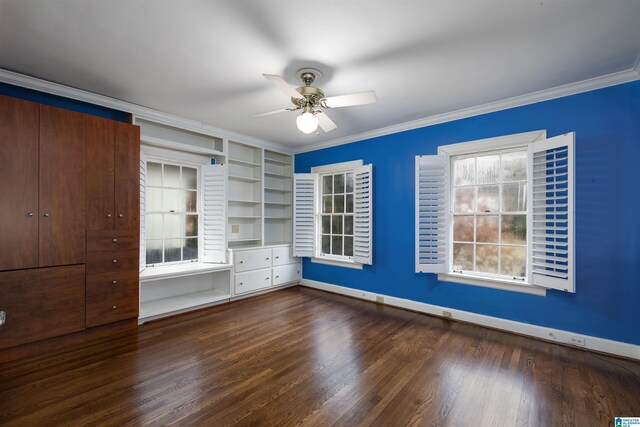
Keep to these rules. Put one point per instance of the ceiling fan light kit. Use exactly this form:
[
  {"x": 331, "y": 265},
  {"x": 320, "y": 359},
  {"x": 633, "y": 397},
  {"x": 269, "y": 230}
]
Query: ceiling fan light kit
[{"x": 310, "y": 99}]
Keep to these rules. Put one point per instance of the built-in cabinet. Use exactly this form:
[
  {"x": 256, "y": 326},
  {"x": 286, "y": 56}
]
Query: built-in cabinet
[{"x": 262, "y": 268}]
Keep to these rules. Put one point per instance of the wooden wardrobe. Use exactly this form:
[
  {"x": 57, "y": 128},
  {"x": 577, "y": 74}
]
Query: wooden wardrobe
[{"x": 69, "y": 223}]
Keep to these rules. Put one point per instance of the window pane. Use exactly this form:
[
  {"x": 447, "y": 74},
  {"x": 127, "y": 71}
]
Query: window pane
[
  {"x": 338, "y": 203},
  {"x": 349, "y": 184},
  {"x": 154, "y": 174},
  {"x": 171, "y": 177},
  {"x": 514, "y": 197},
  {"x": 170, "y": 200},
  {"x": 327, "y": 186},
  {"x": 514, "y": 229},
  {"x": 463, "y": 256},
  {"x": 487, "y": 258},
  {"x": 464, "y": 199},
  {"x": 489, "y": 198},
  {"x": 338, "y": 183},
  {"x": 463, "y": 228},
  {"x": 190, "y": 249},
  {"x": 348, "y": 224},
  {"x": 514, "y": 261},
  {"x": 154, "y": 251},
  {"x": 189, "y": 201},
  {"x": 326, "y": 224},
  {"x": 172, "y": 250},
  {"x": 336, "y": 224},
  {"x": 349, "y": 205},
  {"x": 153, "y": 226},
  {"x": 189, "y": 178},
  {"x": 154, "y": 199},
  {"x": 191, "y": 225},
  {"x": 326, "y": 244},
  {"x": 172, "y": 226},
  {"x": 488, "y": 169},
  {"x": 336, "y": 245},
  {"x": 326, "y": 204},
  {"x": 487, "y": 228},
  {"x": 464, "y": 171},
  {"x": 514, "y": 166},
  {"x": 348, "y": 245}
]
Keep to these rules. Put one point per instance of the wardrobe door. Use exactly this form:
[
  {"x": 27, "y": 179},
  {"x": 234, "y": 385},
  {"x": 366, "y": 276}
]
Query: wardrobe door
[
  {"x": 62, "y": 187},
  {"x": 100, "y": 173},
  {"x": 18, "y": 184},
  {"x": 127, "y": 176}
]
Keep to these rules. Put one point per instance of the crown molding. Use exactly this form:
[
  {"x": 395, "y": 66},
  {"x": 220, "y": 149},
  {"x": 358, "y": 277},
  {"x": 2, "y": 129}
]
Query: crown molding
[
  {"x": 517, "y": 101},
  {"x": 140, "y": 111}
]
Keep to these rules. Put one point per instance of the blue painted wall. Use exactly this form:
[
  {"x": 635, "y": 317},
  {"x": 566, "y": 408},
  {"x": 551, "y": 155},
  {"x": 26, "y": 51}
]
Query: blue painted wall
[
  {"x": 607, "y": 301},
  {"x": 61, "y": 102}
]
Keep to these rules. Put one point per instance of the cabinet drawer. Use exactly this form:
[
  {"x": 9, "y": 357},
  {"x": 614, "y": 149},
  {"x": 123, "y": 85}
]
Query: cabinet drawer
[
  {"x": 252, "y": 280},
  {"x": 106, "y": 240},
  {"x": 112, "y": 261},
  {"x": 108, "y": 302},
  {"x": 252, "y": 260},
  {"x": 283, "y": 255},
  {"x": 286, "y": 274},
  {"x": 41, "y": 303}
]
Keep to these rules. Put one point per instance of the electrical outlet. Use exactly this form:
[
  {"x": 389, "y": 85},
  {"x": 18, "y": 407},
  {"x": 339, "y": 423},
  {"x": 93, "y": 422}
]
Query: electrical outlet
[
  {"x": 235, "y": 228},
  {"x": 447, "y": 314},
  {"x": 574, "y": 340},
  {"x": 379, "y": 299}
]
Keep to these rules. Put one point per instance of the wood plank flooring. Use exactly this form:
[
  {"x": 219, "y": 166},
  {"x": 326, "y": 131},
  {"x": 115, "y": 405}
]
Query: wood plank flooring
[{"x": 304, "y": 357}]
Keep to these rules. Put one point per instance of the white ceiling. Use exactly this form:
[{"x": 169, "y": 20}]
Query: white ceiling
[{"x": 204, "y": 59}]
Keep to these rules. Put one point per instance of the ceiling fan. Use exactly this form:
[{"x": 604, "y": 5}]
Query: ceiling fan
[{"x": 310, "y": 99}]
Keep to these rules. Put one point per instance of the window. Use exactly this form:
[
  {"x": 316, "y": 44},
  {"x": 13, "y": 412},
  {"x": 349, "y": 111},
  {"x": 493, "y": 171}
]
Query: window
[
  {"x": 333, "y": 214},
  {"x": 172, "y": 213},
  {"x": 498, "y": 213}
]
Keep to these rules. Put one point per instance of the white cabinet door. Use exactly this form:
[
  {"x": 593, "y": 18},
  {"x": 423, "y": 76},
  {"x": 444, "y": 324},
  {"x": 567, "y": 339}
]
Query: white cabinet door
[
  {"x": 252, "y": 260},
  {"x": 286, "y": 274},
  {"x": 283, "y": 255},
  {"x": 252, "y": 281}
]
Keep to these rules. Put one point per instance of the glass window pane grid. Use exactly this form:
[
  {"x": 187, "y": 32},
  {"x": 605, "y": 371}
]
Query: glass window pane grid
[
  {"x": 474, "y": 212},
  {"x": 330, "y": 184}
]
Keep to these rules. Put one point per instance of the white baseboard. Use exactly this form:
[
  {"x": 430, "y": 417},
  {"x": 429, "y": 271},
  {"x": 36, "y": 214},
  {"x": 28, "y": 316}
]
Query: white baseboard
[{"x": 563, "y": 337}]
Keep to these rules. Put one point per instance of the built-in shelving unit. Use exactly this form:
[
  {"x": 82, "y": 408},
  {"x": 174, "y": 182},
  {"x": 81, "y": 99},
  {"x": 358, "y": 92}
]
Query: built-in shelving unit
[
  {"x": 244, "y": 223},
  {"x": 278, "y": 197}
]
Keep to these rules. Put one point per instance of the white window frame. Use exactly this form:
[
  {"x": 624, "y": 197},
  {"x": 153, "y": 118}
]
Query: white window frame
[
  {"x": 335, "y": 260},
  {"x": 474, "y": 148}
]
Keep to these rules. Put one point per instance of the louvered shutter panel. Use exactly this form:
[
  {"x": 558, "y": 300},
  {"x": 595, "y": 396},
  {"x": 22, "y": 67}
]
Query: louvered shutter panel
[
  {"x": 143, "y": 210},
  {"x": 214, "y": 213},
  {"x": 304, "y": 194},
  {"x": 363, "y": 215},
  {"x": 432, "y": 213},
  {"x": 551, "y": 214}
]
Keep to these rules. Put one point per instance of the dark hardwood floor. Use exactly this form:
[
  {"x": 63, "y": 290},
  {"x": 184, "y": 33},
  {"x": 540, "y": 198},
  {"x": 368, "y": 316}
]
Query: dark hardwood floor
[{"x": 301, "y": 356}]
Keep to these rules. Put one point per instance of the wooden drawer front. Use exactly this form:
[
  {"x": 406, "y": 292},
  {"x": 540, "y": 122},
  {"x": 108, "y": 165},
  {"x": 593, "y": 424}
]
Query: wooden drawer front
[
  {"x": 41, "y": 303},
  {"x": 252, "y": 260},
  {"x": 109, "y": 302},
  {"x": 107, "y": 240},
  {"x": 112, "y": 261},
  {"x": 286, "y": 274},
  {"x": 283, "y": 255},
  {"x": 252, "y": 280}
]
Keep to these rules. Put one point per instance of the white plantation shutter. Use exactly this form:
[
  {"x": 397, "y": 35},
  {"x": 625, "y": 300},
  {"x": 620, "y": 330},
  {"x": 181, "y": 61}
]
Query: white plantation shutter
[
  {"x": 304, "y": 191},
  {"x": 214, "y": 213},
  {"x": 432, "y": 213},
  {"x": 363, "y": 215},
  {"x": 143, "y": 210},
  {"x": 551, "y": 214}
]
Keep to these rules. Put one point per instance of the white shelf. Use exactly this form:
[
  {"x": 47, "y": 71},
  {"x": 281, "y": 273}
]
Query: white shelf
[
  {"x": 245, "y": 216},
  {"x": 245, "y": 201},
  {"x": 276, "y": 162},
  {"x": 277, "y": 190},
  {"x": 276, "y": 175},
  {"x": 179, "y": 303},
  {"x": 244, "y": 178},
  {"x": 169, "y": 272},
  {"x": 244, "y": 162},
  {"x": 277, "y": 217},
  {"x": 249, "y": 239},
  {"x": 277, "y": 204}
]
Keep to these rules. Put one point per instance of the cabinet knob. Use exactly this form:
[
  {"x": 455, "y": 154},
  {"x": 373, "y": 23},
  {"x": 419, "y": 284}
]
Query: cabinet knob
[
  {"x": 120, "y": 215},
  {"x": 277, "y": 277},
  {"x": 266, "y": 278},
  {"x": 115, "y": 261},
  {"x": 46, "y": 215},
  {"x": 240, "y": 284},
  {"x": 241, "y": 262},
  {"x": 277, "y": 257},
  {"x": 29, "y": 214},
  {"x": 298, "y": 272},
  {"x": 114, "y": 307},
  {"x": 267, "y": 259},
  {"x": 115, "y": 282},
  {"x": 108, "y": 215},
  {"x": 115, "y": 240}
]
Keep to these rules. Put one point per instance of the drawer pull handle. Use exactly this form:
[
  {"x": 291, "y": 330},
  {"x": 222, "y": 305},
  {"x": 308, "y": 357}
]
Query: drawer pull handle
[
  {"x": 46, "y": 215},
  {"x": 120, "y": 215},
  {"x": 277, "y": 257},
  {"x": 115, "y": 282},
  {"x": 241, "y": 262},
  {"x": 115, "y": 261},
  {"x": 267, "y": 259},
  {"x": 277, "y": 277},
  {"x": 266, "y": 278},
  {"x": 108, "y": 215},
  {"x": 3, "y": 317},
  {"x": 115, "y": 240},
  {"x": 114, "y": 307},
  {"x": 29, "y": 214}
]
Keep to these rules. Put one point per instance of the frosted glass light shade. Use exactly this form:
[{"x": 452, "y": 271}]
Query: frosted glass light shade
[{"x": 307, "y": 122}]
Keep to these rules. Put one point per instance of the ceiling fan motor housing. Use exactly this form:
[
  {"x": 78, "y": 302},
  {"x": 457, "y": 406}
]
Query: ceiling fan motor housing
[{"x": 312, "y": 96}]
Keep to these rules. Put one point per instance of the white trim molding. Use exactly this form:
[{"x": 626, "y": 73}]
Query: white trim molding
[
  {"x": 573, "y": 339},
  {"x": 613, "y": 79},
  {"x": 141, "y": 111}
]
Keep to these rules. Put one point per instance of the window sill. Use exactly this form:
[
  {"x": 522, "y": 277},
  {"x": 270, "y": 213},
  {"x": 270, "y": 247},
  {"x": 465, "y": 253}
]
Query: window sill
[
  {"x": 336, "y": 263},
  {"x": 182, "y": 270},
  {"x": 505, "y": 285}
]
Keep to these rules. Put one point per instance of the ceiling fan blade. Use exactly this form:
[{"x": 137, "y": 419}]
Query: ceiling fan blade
[
  {"x": 283, "y": 86},
  {"x": 360, "y": 98},
  {"x": 325, "y": 122},
  {"x": 270, "y": 113}
]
